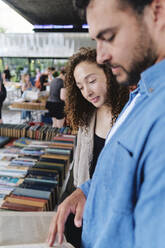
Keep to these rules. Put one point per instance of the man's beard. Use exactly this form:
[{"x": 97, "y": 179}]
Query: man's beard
[
  {"x": 133, "y": 75},
  {"x": 144, "y": 56}
]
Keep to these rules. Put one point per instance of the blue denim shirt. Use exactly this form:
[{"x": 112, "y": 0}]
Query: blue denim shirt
[{"x": 125, "y": 205}]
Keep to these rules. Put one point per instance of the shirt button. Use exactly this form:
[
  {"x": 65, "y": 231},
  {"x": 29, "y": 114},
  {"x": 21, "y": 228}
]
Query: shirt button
[{"x": 150, "y": 90}]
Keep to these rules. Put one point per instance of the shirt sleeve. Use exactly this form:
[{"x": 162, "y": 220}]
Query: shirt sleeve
[
  {"x": 149, "y": 213},
  {"x": 85, "y": 187}
]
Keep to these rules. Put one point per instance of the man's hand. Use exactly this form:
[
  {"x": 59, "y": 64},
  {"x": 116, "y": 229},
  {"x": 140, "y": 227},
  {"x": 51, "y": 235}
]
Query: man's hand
[{"x": 73, "y": 204}]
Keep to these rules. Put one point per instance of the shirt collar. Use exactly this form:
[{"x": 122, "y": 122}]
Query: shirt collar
[{"x": 152, "y": 78}]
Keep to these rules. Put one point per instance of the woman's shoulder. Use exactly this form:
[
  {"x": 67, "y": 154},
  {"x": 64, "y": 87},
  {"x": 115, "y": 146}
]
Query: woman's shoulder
[{"x": 88, "y": 130}]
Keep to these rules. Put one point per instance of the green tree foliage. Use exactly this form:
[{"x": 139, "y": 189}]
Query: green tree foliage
[{"x": 2, "y": 30}]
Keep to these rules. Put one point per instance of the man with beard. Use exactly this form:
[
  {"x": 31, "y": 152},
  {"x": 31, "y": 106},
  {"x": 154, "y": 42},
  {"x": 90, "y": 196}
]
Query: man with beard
[{"x": 124, "y": 201}]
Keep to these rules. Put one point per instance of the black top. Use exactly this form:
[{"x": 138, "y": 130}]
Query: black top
[
  {"x": 43, "y": 79},
  {"x": 55, "y": 89},
  {"x": 2, "y": 91},
  {"x": 98, "y": 145},
  {"x": 7, "y": 74}
]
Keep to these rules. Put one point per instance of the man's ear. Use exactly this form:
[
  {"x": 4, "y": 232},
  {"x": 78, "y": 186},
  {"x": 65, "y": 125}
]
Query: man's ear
[{"x": 158, "y": 10}]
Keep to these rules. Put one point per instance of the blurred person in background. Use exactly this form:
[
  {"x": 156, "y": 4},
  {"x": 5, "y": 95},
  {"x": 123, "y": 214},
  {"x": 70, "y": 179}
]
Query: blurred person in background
[
  {"x": 3, "y": 94},
  {"x": 55, "y": 104},
  {"x": 7, "y": 73},
  {"x": 26, "y": 85}
]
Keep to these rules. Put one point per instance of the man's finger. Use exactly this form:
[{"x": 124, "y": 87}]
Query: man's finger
[
  {"x": 52, "y": 231},
  {"x": 79, "y": 213},
  {"x": 61, "y": 223}
]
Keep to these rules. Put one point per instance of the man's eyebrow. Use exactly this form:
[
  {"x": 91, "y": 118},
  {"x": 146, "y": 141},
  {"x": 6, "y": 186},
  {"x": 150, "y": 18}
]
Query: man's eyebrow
[{"x": 101, "y": 33}]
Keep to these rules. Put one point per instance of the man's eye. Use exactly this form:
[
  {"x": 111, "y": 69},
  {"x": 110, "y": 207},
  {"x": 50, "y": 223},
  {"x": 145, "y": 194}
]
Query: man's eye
[{"x": 110, "y": 38}]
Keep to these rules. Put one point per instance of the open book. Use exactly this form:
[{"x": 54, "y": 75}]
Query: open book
[
  {"x": 41, "y": 245},
  {"x": 26, "y": 230}
]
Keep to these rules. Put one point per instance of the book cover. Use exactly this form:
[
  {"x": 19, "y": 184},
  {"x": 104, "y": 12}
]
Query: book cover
[
  {"x": 52, "y": 188},
  {"x": 19, "y": 207},
  {"x": 11, "y": 181},
  {"x": 26, "y": 202},
  {"x": 32, "y": 199},
  {"x": 4, "y": 140},
  {"x": 34, "y": 193},
  {"x": 56, "y": 156},
  {"x": 61, "y": 151}
]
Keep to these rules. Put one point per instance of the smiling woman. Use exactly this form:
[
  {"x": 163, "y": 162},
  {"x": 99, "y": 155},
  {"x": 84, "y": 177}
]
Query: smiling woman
[{"x": 93, "y": 102}]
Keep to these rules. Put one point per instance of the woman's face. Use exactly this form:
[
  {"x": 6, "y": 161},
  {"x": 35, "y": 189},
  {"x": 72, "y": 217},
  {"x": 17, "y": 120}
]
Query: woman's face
[
  {"x": 27, "y": 78},
  {"x": 91, "y": 81}
]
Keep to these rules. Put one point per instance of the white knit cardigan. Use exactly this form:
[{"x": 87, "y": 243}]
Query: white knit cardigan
[{"x": 84, "y": 153}]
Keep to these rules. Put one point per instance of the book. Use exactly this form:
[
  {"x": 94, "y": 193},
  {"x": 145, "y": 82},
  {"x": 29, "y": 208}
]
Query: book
[
  {"x": 43, "y": 172},
  {"x": 26, "y": 202},
  {"x": 48, "y": 187},
  {"x": 13, "y": 172},
  {"x": 19, "y": 207},
  {"x": 26, "y": 229},
  {"x": 56, "y": 156},
  {"x": 22, "y": 142},
  {"x": 59, "y": 168},
  {"x": 62, "y": 151},
  {"x": 4, "y": 140},
  {"x": 6, "y": 189},
  {"x": 32, "y": 199},
  {"x": 32, "y": 151},
  {"x": 23, "y": 162},
  {"x": 11, "y": 181},
  {"x": 41, "y": 179},
  {"x": 39, "y": 245},
  {"x": 34, "y": 193}
]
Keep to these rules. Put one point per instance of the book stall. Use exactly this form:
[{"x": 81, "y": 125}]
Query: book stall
[{"x": 34, "y": 163}]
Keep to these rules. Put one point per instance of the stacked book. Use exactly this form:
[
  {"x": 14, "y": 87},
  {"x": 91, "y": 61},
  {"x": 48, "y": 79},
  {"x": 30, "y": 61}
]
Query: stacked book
[
  {"x": 10, "y": 176},
  {"x": 45, "y": 164}
]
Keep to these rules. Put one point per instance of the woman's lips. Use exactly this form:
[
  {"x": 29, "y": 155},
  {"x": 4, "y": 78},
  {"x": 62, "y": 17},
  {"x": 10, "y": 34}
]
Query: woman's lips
[{"x": 95, "y": 99}]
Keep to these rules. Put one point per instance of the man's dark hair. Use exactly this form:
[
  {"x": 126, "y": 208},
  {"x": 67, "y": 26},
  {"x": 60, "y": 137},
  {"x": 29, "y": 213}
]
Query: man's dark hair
[
  {"x": 137, "y": 5},
  {"x": 82, "y": 3}
]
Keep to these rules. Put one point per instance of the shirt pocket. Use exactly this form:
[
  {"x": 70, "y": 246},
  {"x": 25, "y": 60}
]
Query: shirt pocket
[{"x": 120, "y": 177}]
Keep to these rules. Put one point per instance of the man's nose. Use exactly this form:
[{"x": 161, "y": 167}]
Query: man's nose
[{"x": 103, "y": 53}]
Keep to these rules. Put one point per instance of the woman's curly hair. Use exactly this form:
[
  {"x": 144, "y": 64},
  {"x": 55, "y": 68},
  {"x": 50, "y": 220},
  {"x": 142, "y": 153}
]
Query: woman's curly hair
[{"x": 79, "y": 111}]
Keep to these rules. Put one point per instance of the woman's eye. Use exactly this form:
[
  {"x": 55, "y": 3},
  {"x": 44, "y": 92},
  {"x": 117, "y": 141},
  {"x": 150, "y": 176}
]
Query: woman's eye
[{"x": 93, "y": 81}]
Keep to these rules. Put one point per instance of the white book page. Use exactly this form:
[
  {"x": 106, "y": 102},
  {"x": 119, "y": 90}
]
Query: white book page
[
  {"x": 41, "y": 245},
  {"x": 26, "y": 229}
]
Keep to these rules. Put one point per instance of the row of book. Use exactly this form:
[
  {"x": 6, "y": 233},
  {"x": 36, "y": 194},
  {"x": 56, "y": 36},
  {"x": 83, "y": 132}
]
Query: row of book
[
  {"x": 32, "y": 130},
  {"x": 31, "y": 181}
]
